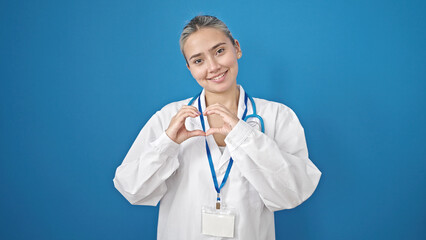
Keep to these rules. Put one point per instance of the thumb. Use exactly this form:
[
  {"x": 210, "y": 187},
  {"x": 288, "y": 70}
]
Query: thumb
[
  {"x": 196, "y": 133},
  {"x": 213, "y": 131}
]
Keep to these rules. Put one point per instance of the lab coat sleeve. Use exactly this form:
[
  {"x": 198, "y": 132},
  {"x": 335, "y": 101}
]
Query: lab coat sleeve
[
  {"x": 277, "y": 167},
  {"x": 151, "y": 160}
]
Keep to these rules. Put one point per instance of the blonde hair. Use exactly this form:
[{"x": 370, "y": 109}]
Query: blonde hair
[{"x": 203, "y": 21}]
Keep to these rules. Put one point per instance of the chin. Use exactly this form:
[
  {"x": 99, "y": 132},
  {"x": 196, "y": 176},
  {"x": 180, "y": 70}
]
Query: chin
[{"x": 220, "y": 88}]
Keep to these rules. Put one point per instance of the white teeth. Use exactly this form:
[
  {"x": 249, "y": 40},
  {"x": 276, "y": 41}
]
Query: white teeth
[{"x": 216, "y": 78}]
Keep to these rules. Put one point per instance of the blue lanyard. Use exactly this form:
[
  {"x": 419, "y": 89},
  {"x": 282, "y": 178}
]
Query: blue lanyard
[{"x": 209, "y": 156}]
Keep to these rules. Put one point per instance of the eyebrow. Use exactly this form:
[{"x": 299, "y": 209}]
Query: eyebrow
[{"x": 199, "y": 54}]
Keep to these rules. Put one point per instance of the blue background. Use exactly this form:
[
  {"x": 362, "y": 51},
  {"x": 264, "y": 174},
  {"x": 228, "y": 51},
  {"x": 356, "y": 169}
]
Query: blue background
[{"x": 79, "y": 79}]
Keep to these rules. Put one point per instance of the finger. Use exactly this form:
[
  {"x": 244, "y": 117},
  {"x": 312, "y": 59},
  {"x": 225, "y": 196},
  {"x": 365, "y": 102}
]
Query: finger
[
  {"x": 179, "y": 120},
  {"x": 185, "y": 107},
  {"x": 217, "y": 111},
  {"x": 216, "y": 130},
  {"x": 221, "y": 108},
  {"x": 182, "y": 116},
  {"x": 225, "y": 115},
  {"x": 196, "y": 133},
  {"x": 184, "y": 113},
  {"x": 228, "y": 118},
  {"x": 189, "y": 108}
]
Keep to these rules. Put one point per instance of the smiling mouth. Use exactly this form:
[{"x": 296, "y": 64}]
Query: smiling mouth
[{"x": 218, "y": 77}]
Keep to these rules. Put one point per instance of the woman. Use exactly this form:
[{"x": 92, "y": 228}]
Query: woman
[{"x": 188, "y": 143}]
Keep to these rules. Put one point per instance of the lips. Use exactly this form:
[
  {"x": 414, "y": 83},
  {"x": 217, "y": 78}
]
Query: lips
[{"x": 219, "y": 77}]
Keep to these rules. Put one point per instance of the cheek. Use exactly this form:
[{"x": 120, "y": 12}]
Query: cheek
[
  {"x": 198, "y": 73},
  {"x": 230, "y": 61}
]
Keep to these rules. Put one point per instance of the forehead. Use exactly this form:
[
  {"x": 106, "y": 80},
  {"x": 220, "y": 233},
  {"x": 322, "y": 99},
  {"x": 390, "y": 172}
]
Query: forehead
[{"x": 203, "y": 39}]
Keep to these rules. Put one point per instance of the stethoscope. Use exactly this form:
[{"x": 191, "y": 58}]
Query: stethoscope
[{"x": 245, "y": 118}]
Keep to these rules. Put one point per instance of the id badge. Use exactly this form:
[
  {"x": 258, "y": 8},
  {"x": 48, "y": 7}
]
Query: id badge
[{"x": 218, "y": 222}]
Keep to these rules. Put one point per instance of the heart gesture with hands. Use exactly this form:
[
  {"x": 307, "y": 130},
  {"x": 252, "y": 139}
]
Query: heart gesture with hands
[{"x": 178, "y": 132}]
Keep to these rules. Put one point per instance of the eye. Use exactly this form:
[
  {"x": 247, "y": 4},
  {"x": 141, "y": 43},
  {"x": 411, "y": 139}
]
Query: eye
[
  {"x": 220, "y": 50},
  {"x": 197, "y": 61}
]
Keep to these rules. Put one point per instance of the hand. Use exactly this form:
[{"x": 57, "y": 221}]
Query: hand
[
  {"x": 229, "y": 119},
  {"x": 177, "y": 130}
]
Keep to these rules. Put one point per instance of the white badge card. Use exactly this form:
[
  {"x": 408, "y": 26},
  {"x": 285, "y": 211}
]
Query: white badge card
[{"x": 218, "y": 222}]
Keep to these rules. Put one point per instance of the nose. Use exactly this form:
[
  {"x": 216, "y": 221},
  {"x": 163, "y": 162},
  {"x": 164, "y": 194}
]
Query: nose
[{"x": 213, "y": 65}]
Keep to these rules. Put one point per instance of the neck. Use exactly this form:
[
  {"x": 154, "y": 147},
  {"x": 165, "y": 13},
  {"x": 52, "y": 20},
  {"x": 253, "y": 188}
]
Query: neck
[{"x": 229, "y": 98}]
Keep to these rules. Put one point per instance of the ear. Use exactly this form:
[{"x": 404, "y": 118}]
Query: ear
[
  {"x": 238, "y": 49},
  {"x": 187, "y": 66}
]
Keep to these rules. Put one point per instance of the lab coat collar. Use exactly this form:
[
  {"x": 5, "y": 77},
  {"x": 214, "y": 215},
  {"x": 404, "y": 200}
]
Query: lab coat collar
[{"x": 219, "y": 160}]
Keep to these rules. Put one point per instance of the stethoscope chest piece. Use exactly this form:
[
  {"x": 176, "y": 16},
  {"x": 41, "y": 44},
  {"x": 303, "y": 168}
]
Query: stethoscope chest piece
[{"x": 255, "y": 123}]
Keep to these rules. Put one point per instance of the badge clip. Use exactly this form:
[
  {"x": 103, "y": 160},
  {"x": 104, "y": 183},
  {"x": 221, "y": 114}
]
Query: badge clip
[{"x": 218, "y": 201}]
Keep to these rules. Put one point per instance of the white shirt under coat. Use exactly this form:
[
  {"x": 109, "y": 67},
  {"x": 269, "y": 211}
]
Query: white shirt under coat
[{"x": 271, "y": 171}]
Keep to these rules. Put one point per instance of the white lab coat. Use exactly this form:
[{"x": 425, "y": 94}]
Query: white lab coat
[{"x": 271, "y": 171}]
